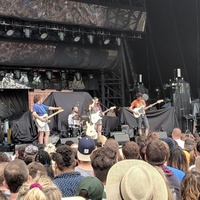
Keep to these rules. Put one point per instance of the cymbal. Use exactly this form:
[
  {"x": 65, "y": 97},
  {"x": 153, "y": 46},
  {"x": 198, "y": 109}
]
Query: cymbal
[
  {"x": 76, "y": 117},
  {"x": 84, "y": 117}
]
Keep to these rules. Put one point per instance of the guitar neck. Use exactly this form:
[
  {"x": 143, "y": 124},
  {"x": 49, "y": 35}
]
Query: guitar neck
[{"x": 50, "y": 116}]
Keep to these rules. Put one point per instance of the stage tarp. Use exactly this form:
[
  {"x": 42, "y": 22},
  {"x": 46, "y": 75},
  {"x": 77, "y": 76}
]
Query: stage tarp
[
  {"x": 159, "y": 120},
  {"x": 67, "y": 100}
]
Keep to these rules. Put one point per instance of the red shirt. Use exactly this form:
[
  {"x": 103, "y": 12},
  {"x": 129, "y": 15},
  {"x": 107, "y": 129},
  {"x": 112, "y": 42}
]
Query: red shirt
[{"x": 138, "y": 103}]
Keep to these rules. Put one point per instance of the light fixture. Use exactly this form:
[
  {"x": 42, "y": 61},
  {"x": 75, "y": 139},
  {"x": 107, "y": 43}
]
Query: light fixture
[
  {"x": 77, "y": 36},
  {"x": 27, "y": 32},
  {"x": 10, "y": 32},
  {"x": 17, "y": 74},
  {"x": 49, "y": 74},
  {"x": 106, "y": 39},
  {"x": 78, "y": 76},
  {"x": 43, "y": 34},
  {"x": 118, "y": 39},
  {"x": 91, "y": 38},
  {"x": 61, "y": 35}
]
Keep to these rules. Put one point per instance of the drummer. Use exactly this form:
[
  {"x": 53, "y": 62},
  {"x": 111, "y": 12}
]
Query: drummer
[{"x": 73, "y": 118}]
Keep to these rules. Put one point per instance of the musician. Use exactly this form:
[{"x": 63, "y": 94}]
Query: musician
[
  {"x": 93, "y": 109},
  {"x": 142, "y": 119},
  {"x": 73, "y": 118},
  {"x": 39, "y": 110}
]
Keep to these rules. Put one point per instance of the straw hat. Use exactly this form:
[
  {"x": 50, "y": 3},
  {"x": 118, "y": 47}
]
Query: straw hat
[{"x": 135, "y": 180}]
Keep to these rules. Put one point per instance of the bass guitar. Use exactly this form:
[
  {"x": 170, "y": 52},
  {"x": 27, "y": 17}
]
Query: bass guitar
[
  {"x": 46, "y": 117},
  {"x": 141, "y": 110},
  {"x": 90, "y": 131},
  {"x": 96, "y": 116}
]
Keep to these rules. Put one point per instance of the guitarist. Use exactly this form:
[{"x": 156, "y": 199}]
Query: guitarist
[
  {"x": 94, "y": 108},
  {"x": 142, "y": 119},
  {"x": 39, "y": 110}
]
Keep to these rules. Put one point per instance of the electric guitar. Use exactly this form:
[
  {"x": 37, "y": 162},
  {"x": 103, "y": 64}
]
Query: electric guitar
[
  {"x": 46, "y": 117},
  {"x": 141, "y": 110},
  {"x": 96, "y": 116},
  {"x": 90, "y": 131}
]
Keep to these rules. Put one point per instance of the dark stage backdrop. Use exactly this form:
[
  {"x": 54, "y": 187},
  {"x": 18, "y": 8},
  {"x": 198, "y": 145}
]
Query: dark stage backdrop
[
  {"x": 67, "y": 101},
  {"x": 159, "y": 120}
]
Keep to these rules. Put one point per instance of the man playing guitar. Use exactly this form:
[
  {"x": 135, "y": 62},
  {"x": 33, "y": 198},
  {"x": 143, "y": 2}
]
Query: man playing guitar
[
  {"x": 141, "y": 117},
  {"x": 40, "y": 110},
  {"x": 94, "y": 108}
]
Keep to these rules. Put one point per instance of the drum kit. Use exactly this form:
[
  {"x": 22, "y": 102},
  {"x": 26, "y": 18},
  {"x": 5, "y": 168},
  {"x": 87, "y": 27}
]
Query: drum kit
[{"x": 76, "y": 130}]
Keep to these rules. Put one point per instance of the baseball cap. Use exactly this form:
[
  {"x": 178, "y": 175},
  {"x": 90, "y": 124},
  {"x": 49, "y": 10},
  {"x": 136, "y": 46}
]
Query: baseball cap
[
  {"x": 85, "y": 147},
  {"x": 31, "y": 150}
]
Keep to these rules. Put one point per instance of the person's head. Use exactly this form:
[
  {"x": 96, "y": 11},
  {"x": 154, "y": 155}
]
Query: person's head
[
  {"x": 189, "y": 144},
  {"x": 3, "y": 157},
  {"x": 50, "y": 148},
  {"x": 176, "y": 133},
  {"x": 2, "y": 167},
  {"x": 15, "y": 174},
  {"x": 90, "y": 188},
  {"x": 153, "y": 136},
  {"x": 135, "y": 179},
  {"x": 139, "y": 96},
  {"x": 34, "y": 167},
  {"x": 85, "y": 147},
  {"x": 29, "y": 159},
  {"x": 37, "y": 98},
  {"x": 43, "y": 157},
  {"x": 31, "y": 150},
  {"x": 177, "y": 159},
  {"x": 96, "y": 100},
  {"x": 21, "y": 152},
  {"x": 101, "y": 140},
  {"x": 157, "y": 152},
  {"x": 41, "y": 188},
  {"x": 171, "y": 143},
  {"x": 75, "y": 109},
  {"x": 64, "y": 159},
  {"x": 102, "y": 159},
  {"x": 190, "y": 186},
  {"x": 130, "y": 150}
]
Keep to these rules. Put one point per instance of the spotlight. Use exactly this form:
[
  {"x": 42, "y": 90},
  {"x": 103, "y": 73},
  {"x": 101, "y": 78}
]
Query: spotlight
[
  {"x": 106, "y": 39},
  {"x": 91, "y": 38},
  {"x": 78, "y": 76},
  {"x": 17, "y": 74},
  {"x": 27, "y": 32},
  {"x": 118, "y": 39},
  {"x": 77, "y": 37},
  {"x": 49, "y": 74},
  {"x": 10, "y": 32},
  {"x": 44, "y": 35},
  {"x": 61, "y": 35}
]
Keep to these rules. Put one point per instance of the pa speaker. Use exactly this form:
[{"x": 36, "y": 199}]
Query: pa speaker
[
  {"x": 74, "y": 139},
  {"x": 121, "y": 137},
  {"x": 162, "y": 135}
]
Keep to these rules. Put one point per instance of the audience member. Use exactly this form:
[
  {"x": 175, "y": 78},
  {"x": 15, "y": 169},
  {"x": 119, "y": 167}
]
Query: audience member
[
  {"x": 189, "y": 147},
  {"x": 41, "y": 188},
  {"x": 15, "y": 174},
  {"x": 31, "y": 150},
  {"x": 102, "y": 159},
  {"x": 153, "y": 136},
  {"x": 176, "y": 135},
  {"x": 3, "y": 189},
  {"x": 29, "y": 159},
  {"x": 177, "y": 159},
  {"x": 66, "y": 178},
  {"x": 101, "y": 140},
  {"x": 85, "y": 147},
  {"x": 135, "y": 179},
  {"x": 4, "y": 157},
  {"x": 34, "y": 167},
  {"x": 190, "y": 186},
  {"x": 171, "y": 143},
  {"x": 157, "y": 153},
  {"x": 90, "y": 188},
  {"x": 130, "y": 150}
]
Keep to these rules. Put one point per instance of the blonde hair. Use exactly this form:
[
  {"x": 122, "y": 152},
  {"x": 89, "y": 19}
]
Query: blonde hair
[
  {"x": 40, "y": 188},
  {"x": 101, "y": 140}
]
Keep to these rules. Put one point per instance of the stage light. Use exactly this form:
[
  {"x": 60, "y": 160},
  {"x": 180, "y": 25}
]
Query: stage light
[
  {"x": 118, "y": 39},
  {"x": 106, "y": 39},
  {"x": 78, "y": 76},
  {"x": 27, "y": 32},
  {"x": 10, "y": 32},
  {"x": 44, "y": 35},
  {"x": 77, "y": 37},
  {"x": 91, "y": 38},
  {"x": 49, "y": 74},
  {"x": 61, "y": 35},
  {"x": 17, "y": 74}
]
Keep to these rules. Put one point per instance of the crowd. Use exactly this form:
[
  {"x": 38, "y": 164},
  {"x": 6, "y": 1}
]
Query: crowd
[{"x": 148, "y": 169}]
